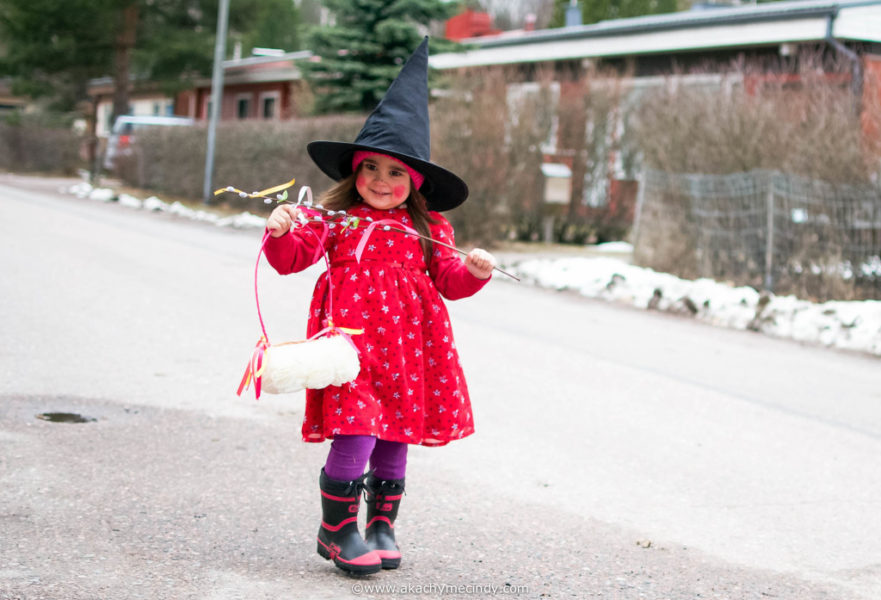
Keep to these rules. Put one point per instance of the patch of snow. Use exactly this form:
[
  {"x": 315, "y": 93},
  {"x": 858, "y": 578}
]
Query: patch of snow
[
  {"x": 154, "y": 204},
  {"x": 129, "y": 201},
  {"x": 615, "y": 247},
  {"x": 838, "y": 324},
  {"x": 102, "y": 194},
  {"x": 80, "y": 190}
]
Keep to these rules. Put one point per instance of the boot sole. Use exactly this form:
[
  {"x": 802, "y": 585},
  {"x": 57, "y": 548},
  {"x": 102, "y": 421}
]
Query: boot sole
[{"x": 348, "y": 567}]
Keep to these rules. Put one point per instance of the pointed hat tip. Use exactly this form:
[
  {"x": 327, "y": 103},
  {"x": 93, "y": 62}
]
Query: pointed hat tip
[{"x": 399, "y": 126}]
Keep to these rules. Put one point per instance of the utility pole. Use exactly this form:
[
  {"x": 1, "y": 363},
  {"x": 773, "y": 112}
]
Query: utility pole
[{"x": 216, "y": 98}]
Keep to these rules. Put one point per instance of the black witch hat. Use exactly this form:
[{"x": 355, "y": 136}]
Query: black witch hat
[{"x": 399, "y": 127}]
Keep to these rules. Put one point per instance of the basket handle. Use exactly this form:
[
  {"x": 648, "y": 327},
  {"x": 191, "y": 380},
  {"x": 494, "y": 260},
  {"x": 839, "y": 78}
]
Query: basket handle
[{"x": 307, "y": 192}]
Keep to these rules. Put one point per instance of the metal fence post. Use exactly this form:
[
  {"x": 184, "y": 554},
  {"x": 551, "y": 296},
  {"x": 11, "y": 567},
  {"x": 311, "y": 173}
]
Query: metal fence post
[
  {"x": 640, "y": 202},
  {"x": 769, "y": 237}
]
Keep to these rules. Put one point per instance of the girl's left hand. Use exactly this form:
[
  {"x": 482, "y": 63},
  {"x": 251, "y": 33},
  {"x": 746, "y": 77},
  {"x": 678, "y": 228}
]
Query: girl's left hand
[{"x": 480, "y": 263}]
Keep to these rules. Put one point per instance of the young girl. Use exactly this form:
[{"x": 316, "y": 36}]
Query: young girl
[{"x": 410, "y": 389}]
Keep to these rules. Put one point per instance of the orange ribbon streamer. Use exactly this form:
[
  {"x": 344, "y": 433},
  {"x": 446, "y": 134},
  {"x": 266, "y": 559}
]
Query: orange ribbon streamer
[{"x": 255, "y": 368}]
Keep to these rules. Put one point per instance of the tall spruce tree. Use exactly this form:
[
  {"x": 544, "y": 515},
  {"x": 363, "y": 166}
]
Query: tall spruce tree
[{"x": 362, "y": 52}]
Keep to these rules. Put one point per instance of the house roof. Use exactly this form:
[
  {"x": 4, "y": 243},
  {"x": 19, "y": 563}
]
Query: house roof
[
  {"x": 261, "y": 69},
  {"x": 251, "y": 69},
  {"x": 717, "y": 28},
  {"x": 263, "y": 60}
]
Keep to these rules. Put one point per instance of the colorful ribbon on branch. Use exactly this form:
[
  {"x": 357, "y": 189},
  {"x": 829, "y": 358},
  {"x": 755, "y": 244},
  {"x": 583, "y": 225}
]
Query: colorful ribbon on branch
[
  {"x": 347, "y": 221},
  {"x": 261, "y": 194},
  {"x": 255, "y": 368}
]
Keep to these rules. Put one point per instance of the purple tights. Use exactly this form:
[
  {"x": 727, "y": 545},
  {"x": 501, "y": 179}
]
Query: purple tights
[{"x": 349, "y": 454}]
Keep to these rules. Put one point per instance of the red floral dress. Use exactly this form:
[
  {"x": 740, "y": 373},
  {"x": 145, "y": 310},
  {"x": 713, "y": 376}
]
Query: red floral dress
[{"x": 411, "y": 387}]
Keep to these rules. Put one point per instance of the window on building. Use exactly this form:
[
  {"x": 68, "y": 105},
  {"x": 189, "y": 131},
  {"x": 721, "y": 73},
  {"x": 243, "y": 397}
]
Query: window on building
[
  {"x": 243, "y": 108},
  {"x": 269, "y": 107}
]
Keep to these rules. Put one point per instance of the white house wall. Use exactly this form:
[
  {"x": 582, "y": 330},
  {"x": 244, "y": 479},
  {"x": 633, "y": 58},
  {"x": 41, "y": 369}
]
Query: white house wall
[{"x": 859, "y": 23}]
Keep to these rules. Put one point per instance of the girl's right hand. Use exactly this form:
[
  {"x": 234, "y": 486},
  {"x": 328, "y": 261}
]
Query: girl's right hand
[{"x": 281, "y": 219}]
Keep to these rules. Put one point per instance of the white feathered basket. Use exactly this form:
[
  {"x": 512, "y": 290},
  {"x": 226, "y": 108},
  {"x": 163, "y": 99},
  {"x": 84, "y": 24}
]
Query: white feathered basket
[
  {"x": 311, "y": 364},
  {"x": 327, "y": 358}
]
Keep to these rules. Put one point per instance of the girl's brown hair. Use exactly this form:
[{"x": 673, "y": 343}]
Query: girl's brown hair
[{"x": 344, "y": 196}]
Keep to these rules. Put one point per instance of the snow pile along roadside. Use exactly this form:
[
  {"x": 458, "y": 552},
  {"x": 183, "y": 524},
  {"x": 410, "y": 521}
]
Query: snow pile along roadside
[
  {"x": 244, "y": 220},
  {"x": 845, "y": 325}
]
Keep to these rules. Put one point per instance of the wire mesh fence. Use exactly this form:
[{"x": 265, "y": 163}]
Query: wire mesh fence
[{"x": 770, "y": 230}]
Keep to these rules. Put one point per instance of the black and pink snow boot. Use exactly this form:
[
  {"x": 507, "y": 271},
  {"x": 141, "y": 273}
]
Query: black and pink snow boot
[
  {"x": 338, "y": 537},
  {"x": 383, "y": 499}
]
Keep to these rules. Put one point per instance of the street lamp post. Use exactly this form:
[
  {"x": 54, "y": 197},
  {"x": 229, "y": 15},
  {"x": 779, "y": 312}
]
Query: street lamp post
[{"x": 216, "y": 97}]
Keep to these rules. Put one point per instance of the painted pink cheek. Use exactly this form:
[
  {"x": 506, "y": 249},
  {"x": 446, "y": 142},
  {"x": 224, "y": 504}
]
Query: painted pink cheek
[{"x": 399, "y": 191}]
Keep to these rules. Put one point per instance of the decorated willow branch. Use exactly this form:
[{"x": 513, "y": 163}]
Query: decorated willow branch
[{"x": 279, "y": 195}]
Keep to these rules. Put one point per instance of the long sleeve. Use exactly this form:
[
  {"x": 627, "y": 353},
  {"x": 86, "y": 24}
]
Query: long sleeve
[
  {"x": 450, "y": 276},
  {"x": 292, "y": 252}
]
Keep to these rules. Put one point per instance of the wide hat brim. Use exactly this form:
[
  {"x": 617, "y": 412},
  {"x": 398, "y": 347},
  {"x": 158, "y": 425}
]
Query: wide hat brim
[{"x": 443, "y": 189}]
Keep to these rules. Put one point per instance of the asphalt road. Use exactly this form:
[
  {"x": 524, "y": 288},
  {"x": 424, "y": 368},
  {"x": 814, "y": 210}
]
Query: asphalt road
[{"x": 619, "y": 453}]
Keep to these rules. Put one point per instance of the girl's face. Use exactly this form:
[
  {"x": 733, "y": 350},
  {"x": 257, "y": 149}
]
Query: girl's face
[{"x": 382, "y": 182}]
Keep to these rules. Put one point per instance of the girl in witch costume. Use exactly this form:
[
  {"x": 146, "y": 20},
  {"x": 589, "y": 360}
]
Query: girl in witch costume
[{"x": 411, "y": 389}]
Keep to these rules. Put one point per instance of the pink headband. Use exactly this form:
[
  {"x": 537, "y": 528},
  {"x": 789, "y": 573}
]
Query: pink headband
[{"x": 415, "y": 175}]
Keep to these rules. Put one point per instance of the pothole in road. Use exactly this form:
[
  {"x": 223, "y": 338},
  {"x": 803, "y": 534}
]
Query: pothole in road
[{"x": 64, "y": 417}]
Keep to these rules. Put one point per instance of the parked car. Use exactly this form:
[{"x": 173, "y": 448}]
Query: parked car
[{"x": 123, "y": 131}]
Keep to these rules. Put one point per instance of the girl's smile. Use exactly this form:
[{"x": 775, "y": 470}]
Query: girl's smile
[{"x": 382, "y": 182}]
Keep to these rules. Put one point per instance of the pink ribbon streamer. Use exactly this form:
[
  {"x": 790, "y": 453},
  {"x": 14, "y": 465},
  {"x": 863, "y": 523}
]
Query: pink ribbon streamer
[
  {"x": 334, "y": 330},
  {"x": 319, "y": 249},
  {"x": 254, "y": 370},
  {"x": 385, "y": 223}
]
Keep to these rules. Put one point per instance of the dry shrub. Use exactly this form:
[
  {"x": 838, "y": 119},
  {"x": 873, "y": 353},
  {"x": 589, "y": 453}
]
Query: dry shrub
[
  {"x": 659, "y": 246},
  {"x": 593, "y": 135},
  {"x": 249, "y": 155},
  {"x": 803, "y": 127},
  {"x": 35, "y": 148},
  {"x": 493, "y": 142},
  {"x": 743, "y": 120}
]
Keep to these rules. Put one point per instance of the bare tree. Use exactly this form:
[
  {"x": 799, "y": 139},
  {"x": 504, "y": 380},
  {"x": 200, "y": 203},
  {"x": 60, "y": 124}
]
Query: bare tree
[{"x": 512, "y": 14}]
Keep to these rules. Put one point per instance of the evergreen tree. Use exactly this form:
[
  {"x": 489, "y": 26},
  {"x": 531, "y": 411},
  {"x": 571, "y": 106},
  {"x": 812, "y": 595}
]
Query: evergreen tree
[
  {"x": 53, "y": 48},
  {"x": 273, "y": 24},
  {"x": 362, "y": 52}
]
